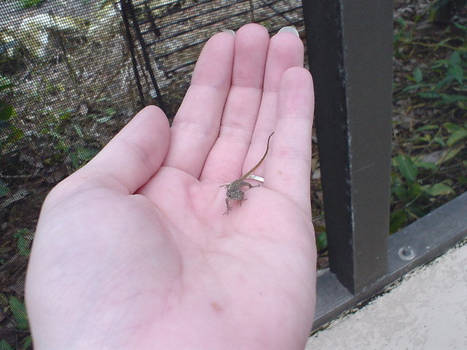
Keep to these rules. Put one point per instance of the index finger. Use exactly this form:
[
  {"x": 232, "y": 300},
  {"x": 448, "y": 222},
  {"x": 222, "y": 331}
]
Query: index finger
[{"x": 196, "y": 125}]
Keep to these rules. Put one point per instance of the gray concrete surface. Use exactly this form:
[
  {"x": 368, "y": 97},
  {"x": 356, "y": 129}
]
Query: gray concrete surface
[{"x": 426, "y": 310}]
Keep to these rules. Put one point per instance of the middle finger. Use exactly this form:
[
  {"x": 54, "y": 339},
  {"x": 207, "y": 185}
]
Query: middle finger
[{"x": 225, "y": 159}]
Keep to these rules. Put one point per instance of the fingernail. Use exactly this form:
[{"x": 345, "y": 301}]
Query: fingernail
[
  {"x": 230, "y": 31},
  {"x": 289, "y": 29}
]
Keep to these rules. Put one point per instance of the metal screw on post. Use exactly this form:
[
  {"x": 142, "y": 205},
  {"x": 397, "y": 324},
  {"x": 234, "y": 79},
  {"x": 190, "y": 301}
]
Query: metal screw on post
[{"x": 406, "y": 253}]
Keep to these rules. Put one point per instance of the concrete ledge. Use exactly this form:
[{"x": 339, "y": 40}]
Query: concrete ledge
[
  {"x": 414, "y": 245},
  {"x": 426, "y": 310}
]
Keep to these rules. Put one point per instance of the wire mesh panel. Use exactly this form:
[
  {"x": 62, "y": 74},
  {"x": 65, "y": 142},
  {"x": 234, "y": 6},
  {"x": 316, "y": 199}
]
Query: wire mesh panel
[
  {"x": 64, "y": 66},
  {"x": 171, "y": 34},
  {"x": 62, "y": 59},
  {"x": 174, "y": 38},
  {"x": 72, "y": 73}
]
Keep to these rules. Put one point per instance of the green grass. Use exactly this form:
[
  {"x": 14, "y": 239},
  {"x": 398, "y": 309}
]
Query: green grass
[
  {"x": 428, "y": 165},
  {"x": 30, "y": 3}
]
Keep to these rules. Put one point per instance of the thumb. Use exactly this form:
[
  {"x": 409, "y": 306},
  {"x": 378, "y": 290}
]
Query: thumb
[{"x": 133, "y": 156}]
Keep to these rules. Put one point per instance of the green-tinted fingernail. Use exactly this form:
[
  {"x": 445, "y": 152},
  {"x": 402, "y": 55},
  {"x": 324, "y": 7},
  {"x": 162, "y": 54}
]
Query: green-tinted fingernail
[{"x": 289, "y": 29}]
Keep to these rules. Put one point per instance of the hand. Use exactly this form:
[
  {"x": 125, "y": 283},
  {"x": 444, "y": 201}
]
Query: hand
[{"x": 133, "y": 250}]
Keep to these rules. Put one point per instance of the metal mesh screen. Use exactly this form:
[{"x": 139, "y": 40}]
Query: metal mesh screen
[
  {"x": 72, "y": 73},
  {"x": 65, "y": 66},
  {"x": 65, "y": 60},
  {"x": 172, "y": 33}
]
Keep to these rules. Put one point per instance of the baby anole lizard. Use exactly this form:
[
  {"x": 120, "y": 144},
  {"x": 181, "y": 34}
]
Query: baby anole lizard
[{"x": 234, "y": 189}]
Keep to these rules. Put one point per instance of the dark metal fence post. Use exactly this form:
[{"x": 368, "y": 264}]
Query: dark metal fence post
[
  {"x": 131, "y": 48},
  {"x": 127, "y": 7},
  {"x": 350, "y": 56}
]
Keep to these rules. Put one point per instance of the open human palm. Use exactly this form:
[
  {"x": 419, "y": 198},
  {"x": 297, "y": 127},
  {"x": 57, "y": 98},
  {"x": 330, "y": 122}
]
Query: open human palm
[{"x": 135, "y": 249}]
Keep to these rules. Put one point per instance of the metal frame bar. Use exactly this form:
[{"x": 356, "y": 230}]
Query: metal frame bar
[
  {"x": 131, "y": 47},
  {"x": 350, "y": 56},
  {"x": 150, "y": 18},
  {"x": 127, "y": 7}
]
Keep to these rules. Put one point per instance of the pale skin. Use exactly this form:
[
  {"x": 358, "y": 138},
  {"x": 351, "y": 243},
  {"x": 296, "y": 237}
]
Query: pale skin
[{"x": 133, "y": 250}]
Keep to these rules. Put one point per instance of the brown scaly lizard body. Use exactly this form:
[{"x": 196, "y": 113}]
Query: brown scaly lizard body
[{"x": 234, "y": 189}]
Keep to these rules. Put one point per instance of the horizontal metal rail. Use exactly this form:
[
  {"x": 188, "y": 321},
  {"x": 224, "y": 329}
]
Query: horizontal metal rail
[{"x": 414, "y": 245}]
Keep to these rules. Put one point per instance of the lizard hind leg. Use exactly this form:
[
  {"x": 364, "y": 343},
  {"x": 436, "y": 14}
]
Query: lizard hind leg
[
  {"x": 249, "y": 185},
  {"x": 227, "y": 205}
]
